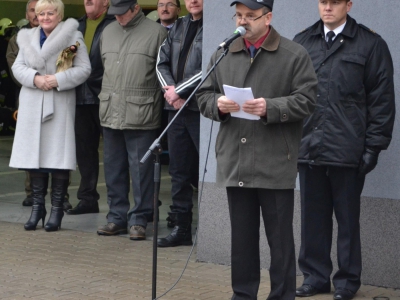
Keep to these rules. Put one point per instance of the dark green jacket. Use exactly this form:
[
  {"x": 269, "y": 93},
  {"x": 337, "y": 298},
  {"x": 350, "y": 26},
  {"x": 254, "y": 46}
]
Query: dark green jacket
[{"x": 262, "y": 153}]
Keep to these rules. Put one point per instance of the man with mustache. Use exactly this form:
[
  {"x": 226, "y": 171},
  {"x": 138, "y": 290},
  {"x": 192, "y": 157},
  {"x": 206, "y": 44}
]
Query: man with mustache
[
  {"x": 87, "y": 121},
  {"x": 352, "y": 123},
  {"x": 168, "y": 12},
  {"x": 257, "y": 159}
]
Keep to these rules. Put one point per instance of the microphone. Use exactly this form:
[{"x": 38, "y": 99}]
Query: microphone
[{"x": 240, "y": 31}]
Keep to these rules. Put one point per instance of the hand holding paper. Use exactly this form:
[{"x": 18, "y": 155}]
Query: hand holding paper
[{"x": 241, "y": 96}]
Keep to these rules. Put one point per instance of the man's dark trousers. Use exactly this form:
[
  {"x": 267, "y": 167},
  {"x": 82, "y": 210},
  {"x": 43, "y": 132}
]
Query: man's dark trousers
[
  {"x": 87, "y": 136},
  {"x": 183, "y": 147},
  {"x": 123, "y": 150},
  {"x": 324, "y": 190},
  {"x": 277, "y": 210}
]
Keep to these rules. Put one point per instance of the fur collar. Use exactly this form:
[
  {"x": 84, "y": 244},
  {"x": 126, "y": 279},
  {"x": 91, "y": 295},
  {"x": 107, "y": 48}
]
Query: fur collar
[{"x": 29, "y": 42}]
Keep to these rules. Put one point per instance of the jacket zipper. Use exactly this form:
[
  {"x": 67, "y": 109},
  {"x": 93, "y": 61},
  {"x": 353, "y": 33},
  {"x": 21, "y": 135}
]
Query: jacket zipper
[{"x": 286, "y": 143}]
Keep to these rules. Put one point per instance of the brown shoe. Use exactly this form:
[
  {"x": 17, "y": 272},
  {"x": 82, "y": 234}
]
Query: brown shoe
[
  {"x": 111, "y": 229},
  {"x": 137, "y": 232}
]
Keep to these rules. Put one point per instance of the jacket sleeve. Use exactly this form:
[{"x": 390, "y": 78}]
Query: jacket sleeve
[
  {"x": 208, "y": 95},
  {"x": 187, "y": 85},
  {"x": 163, "y": 67},
  {"x": 300, "y": 103},
  {"x": 11, "y": 55},
  {"x": 80, "y": 70},
  {"x": 24, "y": 74},
  {"x": 379, "y": 87}
]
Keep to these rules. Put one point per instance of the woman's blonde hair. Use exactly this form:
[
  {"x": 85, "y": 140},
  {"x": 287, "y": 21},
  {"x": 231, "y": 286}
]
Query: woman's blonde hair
[{"x": 57, "y": 4}]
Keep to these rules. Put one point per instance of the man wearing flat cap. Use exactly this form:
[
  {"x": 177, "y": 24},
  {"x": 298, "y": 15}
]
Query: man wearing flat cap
[
  {"x": 257, "y": 159},
  {"x": 130, "y": 113},
  {"x": 352, "y": 123}
]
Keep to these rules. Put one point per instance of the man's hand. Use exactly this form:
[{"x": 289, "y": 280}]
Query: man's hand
[
  {"x": 368, "y": 162},
  {"x": 41, "y": 83},
  {"x": 51, "y": 80},
  {"x": 227, "y": 106},
  {"x": 170, "y": 94},
  {"x": 256, "y": 107},
  {"x": 178, "y": 103}
]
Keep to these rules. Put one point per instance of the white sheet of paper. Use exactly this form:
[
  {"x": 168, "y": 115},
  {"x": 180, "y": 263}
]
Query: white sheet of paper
[{"x": 240, "y": 96}]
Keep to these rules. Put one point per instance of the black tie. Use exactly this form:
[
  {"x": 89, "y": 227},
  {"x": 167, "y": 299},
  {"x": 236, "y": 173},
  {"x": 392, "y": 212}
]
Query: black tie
[{"x": 330, "y": 36}]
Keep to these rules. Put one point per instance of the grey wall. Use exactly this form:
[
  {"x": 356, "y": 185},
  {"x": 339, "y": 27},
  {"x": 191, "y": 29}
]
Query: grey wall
[{"x": 380, "y": 211}]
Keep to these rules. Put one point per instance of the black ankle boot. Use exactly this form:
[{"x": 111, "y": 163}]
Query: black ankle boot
[
  {"x": 181, "y": 234},
  {"x": 54, "y": 222},
  {"x": 39, "y": 183},
  {"x": 38, "y": 212},
  {"x": 58, "y": 192}
]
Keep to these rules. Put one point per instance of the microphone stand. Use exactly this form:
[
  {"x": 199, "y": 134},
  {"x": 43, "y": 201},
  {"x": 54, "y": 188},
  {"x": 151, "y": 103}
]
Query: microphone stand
[{"x": 155, "y": 148}]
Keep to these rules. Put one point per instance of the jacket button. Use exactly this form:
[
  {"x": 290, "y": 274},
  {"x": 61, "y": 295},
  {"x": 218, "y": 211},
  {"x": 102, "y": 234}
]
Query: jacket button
[
  {"x": 284, "y": 116},
  {"x": 318, "y": 96},
  {"x": 240, "y": 183},
  {"x": 243, "y": 140}
]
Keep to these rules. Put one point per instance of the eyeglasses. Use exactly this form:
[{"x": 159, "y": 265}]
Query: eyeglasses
[
  {"x": 168, "y": 5},
  {"x": 252, "y": 19},
  {"x": 49, "y": 13}
]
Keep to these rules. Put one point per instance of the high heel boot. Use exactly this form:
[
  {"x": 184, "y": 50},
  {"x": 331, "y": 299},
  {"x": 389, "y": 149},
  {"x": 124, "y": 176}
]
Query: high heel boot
[
  {"x": 59, "y": 189},
  {"x": 39, "y": 190}
]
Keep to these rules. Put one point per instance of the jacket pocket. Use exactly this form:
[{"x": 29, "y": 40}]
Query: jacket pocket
[
  {"x": 139, "y": 110},
  {"x": 105, "y": 107}
]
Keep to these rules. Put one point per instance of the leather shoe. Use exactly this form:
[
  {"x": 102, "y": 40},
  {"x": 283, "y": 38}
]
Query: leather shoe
[
  {"x": 28, "y": 201},
  {"x": 343, "y": 294},
  {"x": 111, "y": 229},
  {"x": 137, "y": 233},
  {"x": 84, "y": 207},
  {"x": 306, "y": 290}
]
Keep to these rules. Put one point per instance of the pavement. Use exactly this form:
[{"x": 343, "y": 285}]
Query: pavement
[{"x": 76, "y": 263}]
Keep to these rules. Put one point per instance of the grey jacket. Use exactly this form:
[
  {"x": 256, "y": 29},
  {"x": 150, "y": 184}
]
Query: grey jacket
[
  {"x": 262, "y": 153},
  {"x": 130, "y": 96}
]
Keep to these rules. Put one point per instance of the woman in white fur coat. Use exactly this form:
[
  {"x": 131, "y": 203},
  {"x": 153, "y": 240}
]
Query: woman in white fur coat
[{"x": 44, "y": 139}]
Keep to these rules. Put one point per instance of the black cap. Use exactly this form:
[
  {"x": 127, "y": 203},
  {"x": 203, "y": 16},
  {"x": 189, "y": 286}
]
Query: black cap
[
  {"x": 120, "y": 7},
  {"x": 255, "y": 4}
]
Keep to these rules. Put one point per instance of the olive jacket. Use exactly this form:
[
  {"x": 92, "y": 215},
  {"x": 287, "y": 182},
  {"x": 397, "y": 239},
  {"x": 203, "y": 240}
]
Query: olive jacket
[
  {"x": 130, "y": 96},
  {"x": 261, "y": 153}
]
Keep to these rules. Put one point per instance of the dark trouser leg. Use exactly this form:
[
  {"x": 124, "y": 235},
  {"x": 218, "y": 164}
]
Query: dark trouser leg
[
  {"x": 244, "y": 212},
  {"x": 137, "y": 143},
  {"x": 346, "y": 190},
  {"x": 87, "y": 135},
  {"x": 316, "y": 226},
  {"x": 183, "y": 144},
  {"x": 277, "y": 210},
  {"x": 28, "y": 189},
  {"x": 28, "y": 200},
  {"x": 39, "y": 182},
  {"x": 116, "y": 172}
]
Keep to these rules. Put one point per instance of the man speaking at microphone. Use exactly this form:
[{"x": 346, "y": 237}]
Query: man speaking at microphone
[{"x": 257, "y": 159}]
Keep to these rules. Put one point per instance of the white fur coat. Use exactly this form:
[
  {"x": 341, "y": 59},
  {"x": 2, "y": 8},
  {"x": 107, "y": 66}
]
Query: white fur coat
[{"x": 44, "y": 135}]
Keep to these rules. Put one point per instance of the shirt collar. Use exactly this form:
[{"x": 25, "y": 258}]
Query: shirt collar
[
  {"x": 259, "y": 42},
  {"x": 337, "y": 30}
]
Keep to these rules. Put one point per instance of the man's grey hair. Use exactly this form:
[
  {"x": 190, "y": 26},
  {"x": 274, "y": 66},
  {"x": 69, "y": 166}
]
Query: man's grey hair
[{"x": 29, "y": 2}]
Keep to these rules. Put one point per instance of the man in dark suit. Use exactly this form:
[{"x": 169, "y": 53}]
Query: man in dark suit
[{"x": 352, "y": 123}]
